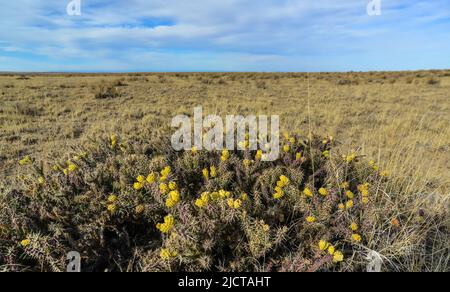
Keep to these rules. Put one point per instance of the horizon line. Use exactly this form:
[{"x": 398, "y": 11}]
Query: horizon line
[{"x": 214, "y": 72}]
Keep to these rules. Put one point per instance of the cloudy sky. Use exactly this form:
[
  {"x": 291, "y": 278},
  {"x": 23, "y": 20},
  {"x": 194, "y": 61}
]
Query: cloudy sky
[{"x": 224, "y": 35}]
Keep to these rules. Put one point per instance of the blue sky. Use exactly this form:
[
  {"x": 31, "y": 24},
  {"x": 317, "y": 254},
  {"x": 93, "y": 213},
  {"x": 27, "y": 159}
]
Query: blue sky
[{"x": 224, "y": 35}]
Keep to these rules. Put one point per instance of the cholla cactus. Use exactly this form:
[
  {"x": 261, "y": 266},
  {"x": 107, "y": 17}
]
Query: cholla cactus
[{"x": 141, "y": 206}]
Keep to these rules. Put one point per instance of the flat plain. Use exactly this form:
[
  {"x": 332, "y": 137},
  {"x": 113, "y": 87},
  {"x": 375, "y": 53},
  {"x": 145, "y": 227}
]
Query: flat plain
[{"x": 398, "y": 119}]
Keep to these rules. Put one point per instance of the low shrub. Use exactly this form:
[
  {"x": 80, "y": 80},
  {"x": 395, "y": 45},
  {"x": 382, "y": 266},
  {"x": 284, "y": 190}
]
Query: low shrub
[
  {"x": 104, "y": 91},
  {"x": 433, "y": 81},
  {"x": 141, "y": 206}
]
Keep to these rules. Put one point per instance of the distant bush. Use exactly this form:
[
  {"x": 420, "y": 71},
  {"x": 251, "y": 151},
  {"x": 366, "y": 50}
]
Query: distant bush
[
  {"x": 409, "y": 80},
  {"x": 140, "y": 206},
  {"x": 23, "y": 77},
  {"x": 433, "y": 81},
  {"x": 261, "y": 85},
  {"x": 348, "y": 82},
  {"x": 104, "y": 91},
  {"x": 222, "y": 82},
  {"x": 120, "y": 83}
]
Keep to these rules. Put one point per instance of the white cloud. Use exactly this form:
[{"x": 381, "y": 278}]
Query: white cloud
[{"x": 245, "y": 33}]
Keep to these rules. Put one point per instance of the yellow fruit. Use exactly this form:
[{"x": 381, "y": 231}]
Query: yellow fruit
[
  {"x": 356, "y": 237},
  {"x": 213, "y": 172},
  {"x": 350, "y": 195},
  {"x": 349, "y": 204},
  {"x": 138, "y": 186},
  {"x": 338, "y": 257},
  {"x": 307, "y": 192},
  {"x": 151, "y": 178},
  {"x": 323, "y": 192},
  {"x": 112, "y": 198},
  {"x": 112, "y": 208},
  {"x": 331, "y": 250},
  {"x": 310, "y": 219},
  {"x": 172, "y": 186},
  {"x": 323, "y": 245},
  {"x": 25, "y": 242}
]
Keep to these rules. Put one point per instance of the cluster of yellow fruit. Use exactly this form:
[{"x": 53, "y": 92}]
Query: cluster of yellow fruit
[
  {"x": 225, "y": 155},
  {"x": 173, "y": 193},
  {"x": 375, "y": 167},
  {"x": 25, "y": 161},
  {"x": 364, "y": 191},
  {"x": 210, "y": 173},
  {"x": 338, "y": 256},
  {"x": 288, "y": 137},
  {"x": 355, "y": 237},
  {"x": 349, "y": 195},
  {"x": 165, "y": 173},
  {"x": 234, "y": 204},
  {"x": 203, "y": 201},
  {"x": 290, "y": 142},
  {"x": 170, "y": 189},
  {"x": 71, "y": 167},
  {"x": 384, "y": 173},
  {"x": 151, "y": 178},
  {"x": 351, "y": 157},
  {"x": 112, "y": 207},
  {"x": 279, "y": 189},
  {"x": 307, "y": 192},
  {"x": 167, "y": 225},
  {"x": 347, "y": 206},
  {"x": 207, "y": 197},
  {"x": 166, "y": 254},
  {"x": 328, "y": 140},
  {"x": 114, "y": 143},
  {"x": 141, "y": 181}
]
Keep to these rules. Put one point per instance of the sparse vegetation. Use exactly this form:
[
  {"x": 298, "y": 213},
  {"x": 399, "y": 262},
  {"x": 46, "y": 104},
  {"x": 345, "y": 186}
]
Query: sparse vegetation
[{"x": 108, "y": 91}]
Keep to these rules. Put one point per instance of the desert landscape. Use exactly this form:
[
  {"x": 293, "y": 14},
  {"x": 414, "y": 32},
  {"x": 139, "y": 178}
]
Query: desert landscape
[
  {"x": 84, "y": 167},
  {"x": 388, "y": 115}
]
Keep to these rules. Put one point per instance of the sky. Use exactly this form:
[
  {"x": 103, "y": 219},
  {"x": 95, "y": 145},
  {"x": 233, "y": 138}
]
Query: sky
[{"x": 223, "y": 35}]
